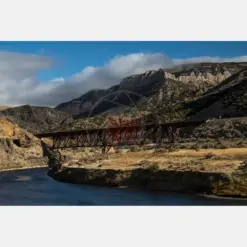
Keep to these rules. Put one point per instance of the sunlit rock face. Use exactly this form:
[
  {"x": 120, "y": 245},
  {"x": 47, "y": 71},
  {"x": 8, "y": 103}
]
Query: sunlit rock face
[
  {"x": 18, "y": 148},
  {"x": 201, "y": 76}
]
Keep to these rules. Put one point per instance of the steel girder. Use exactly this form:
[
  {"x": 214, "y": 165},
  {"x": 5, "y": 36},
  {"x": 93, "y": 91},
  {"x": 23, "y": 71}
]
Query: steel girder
[{"x": 135, "y": 135}]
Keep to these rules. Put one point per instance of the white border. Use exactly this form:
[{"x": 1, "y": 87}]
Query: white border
[
  {"x": 125, "y": 20},
  {"x": 123, "y": 226}
]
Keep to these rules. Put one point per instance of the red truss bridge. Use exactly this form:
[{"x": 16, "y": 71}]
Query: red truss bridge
[{"x": 119, "y": 135}]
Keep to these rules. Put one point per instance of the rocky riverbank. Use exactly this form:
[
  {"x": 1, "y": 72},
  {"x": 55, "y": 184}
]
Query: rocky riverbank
[
  {"x": 212, "y": 183},
  {"x": 190, "y": 171},
  {"x": 19, "y": 148}
]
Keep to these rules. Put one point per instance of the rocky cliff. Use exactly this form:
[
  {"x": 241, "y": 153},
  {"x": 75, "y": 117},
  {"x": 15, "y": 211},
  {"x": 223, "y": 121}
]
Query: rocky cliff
[
  {"x": 18, "y": 148},
  {"x": 196, "y": 78},
  {"x": 227, "y": 99}
]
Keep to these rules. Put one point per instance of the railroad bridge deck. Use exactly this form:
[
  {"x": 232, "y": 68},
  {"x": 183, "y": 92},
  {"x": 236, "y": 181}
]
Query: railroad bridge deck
[{"x": 120, "y": 135}]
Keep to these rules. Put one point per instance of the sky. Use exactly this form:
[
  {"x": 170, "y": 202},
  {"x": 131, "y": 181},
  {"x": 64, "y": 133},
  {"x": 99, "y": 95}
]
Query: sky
[{"x": 49, "y": 73}]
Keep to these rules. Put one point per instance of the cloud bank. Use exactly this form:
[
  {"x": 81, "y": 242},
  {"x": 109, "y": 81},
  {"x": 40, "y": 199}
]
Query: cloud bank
[
  {"x": 19, "y": 84},
  {"x": 210, "y": 59}
]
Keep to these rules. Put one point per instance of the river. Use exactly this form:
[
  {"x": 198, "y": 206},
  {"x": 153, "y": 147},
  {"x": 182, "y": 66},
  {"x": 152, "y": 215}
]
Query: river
[{"x": 34, "y": 187}]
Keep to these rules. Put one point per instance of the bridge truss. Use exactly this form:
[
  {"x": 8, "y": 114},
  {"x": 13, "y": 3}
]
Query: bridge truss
[{"x": 118, "y": 136}]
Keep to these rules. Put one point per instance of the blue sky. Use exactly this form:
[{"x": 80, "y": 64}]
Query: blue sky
[
  {"x": 71, "y": 57},
  {"x": 62, "y": 71}
]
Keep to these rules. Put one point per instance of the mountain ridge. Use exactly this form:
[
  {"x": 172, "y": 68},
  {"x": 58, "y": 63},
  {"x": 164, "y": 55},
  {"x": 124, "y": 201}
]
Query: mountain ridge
[{"x": 202, "y": 76}]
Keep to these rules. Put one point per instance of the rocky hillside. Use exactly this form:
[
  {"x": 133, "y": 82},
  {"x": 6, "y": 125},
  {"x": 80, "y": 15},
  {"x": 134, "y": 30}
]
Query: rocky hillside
[
  {"x": 83, "y": 104},
  {"x": 18, "y": 148},
  {"x": 178, "y": 100},
  {"x": 192, "y": 80},
  {"x": 183, "y": 96},
  {"x": 36, "y": 119},
  {"x": 230, "y": 128},
  {"x": 227, "y": 99}
]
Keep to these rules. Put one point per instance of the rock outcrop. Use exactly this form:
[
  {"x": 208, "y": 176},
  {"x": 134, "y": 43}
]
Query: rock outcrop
[{"x": 18, "y": 148}]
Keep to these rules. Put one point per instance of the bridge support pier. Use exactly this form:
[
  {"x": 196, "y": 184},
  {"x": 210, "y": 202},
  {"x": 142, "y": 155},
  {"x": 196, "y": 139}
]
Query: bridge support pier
[
  {"x": 173, "y": 134},
  {"x": 55, "y": 160},
  {"x": 106, "y": 149}
]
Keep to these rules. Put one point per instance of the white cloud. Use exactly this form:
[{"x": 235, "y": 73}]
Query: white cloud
[
  {"x": 18, "y": 83},
  {"x": 210, "y": 59},
  {"x": 17, "y": 75}
]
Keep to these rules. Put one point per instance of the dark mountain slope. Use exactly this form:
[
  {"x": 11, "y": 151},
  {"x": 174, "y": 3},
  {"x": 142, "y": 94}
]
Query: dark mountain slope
[
  {"x": 82, "y": 104},
  {"x": 36, "y": 119},
  {"x": 228, "y": 99}
]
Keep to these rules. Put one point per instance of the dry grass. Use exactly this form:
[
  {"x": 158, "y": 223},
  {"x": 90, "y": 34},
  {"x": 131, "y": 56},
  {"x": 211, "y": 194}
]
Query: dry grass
[
  {"x": 2, "y": 107},
  {"x": 202, "y": 160},
  {"x": 231, "y": 152}
]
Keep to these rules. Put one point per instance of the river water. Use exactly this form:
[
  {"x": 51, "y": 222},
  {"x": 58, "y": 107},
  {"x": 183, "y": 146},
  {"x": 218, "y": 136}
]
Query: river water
[{"x": 34, "y": 187}]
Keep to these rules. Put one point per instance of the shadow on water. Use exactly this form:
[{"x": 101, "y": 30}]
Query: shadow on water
[{"x": 34, "y": 187}]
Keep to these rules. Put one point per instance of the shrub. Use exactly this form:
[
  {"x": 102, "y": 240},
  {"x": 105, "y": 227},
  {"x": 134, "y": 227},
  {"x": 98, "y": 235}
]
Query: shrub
[{"x": 209, "y": 156}]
